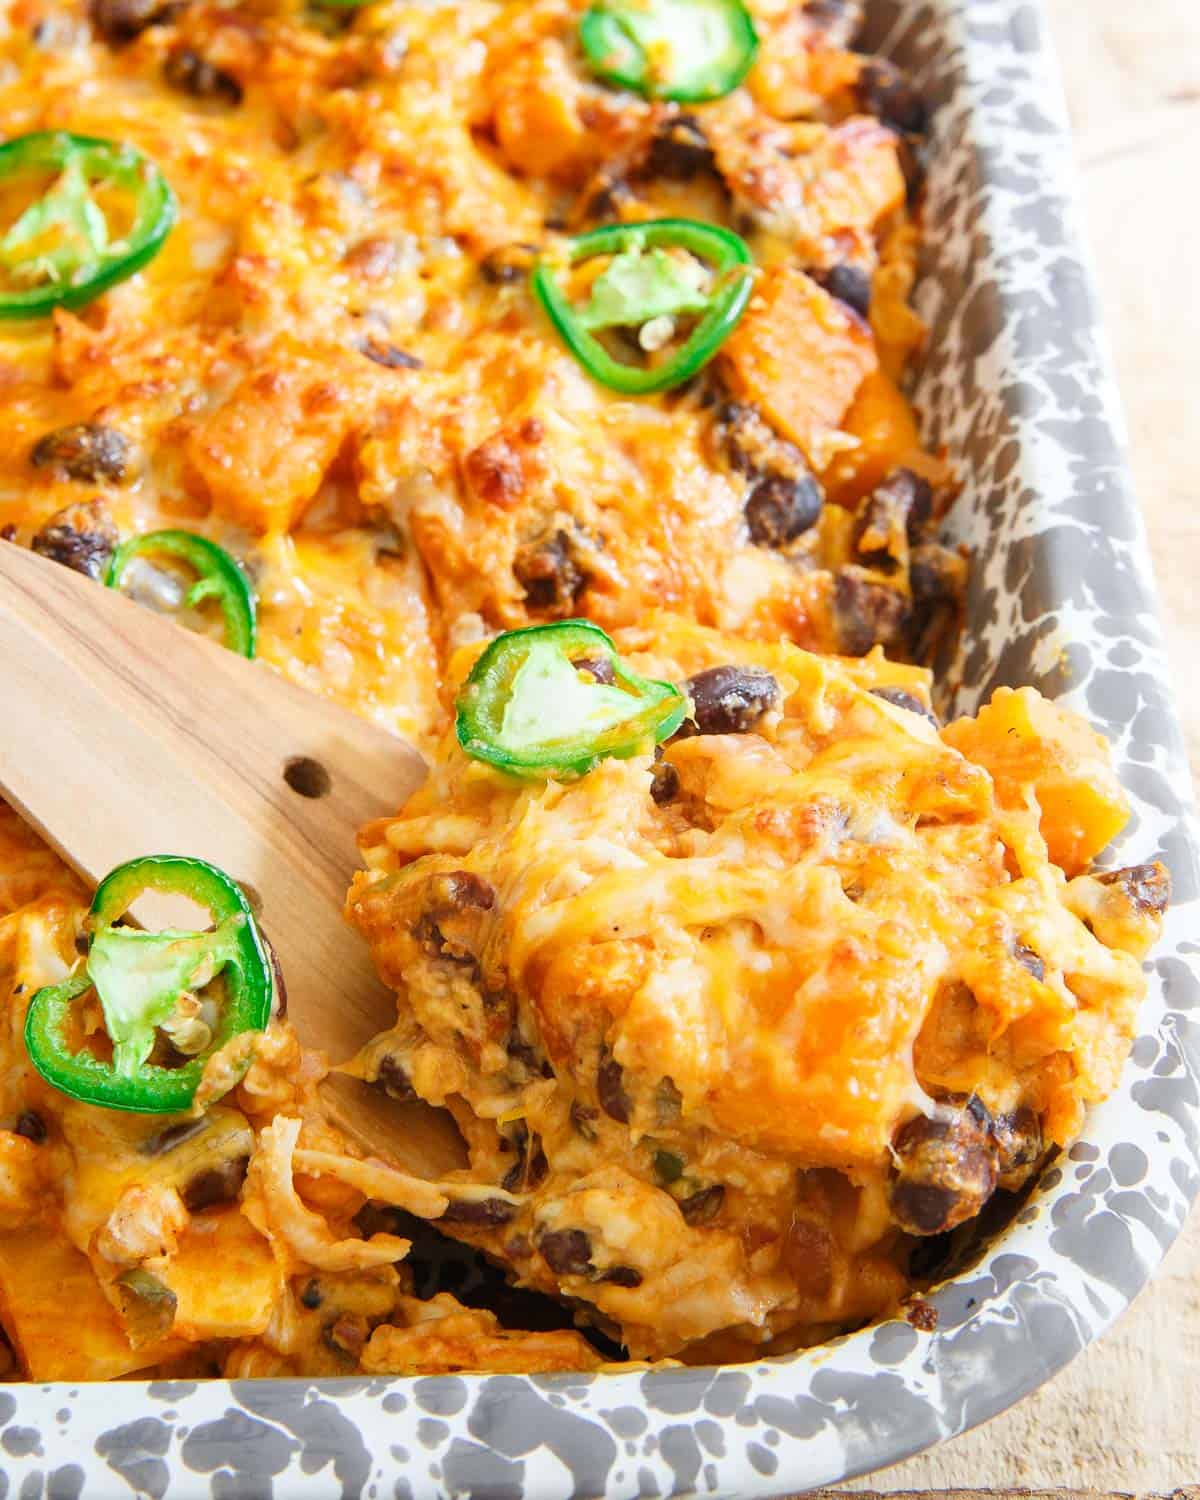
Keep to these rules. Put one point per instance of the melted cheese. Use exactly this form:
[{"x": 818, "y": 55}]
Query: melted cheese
[
  {"x": 335, "y": 369},
  {"x": 751, "y": 978}
]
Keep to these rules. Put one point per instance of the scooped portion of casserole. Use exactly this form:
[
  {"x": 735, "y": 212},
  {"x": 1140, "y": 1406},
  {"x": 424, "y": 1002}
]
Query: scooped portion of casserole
[{"x": 730, "y": 1025}]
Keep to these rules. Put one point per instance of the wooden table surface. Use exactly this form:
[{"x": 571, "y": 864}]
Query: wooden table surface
[{"x": 1126, "y": 1415}]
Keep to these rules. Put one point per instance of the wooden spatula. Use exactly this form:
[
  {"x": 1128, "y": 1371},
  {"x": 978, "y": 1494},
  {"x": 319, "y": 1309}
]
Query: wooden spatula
[{"x": 126, "y": 734}]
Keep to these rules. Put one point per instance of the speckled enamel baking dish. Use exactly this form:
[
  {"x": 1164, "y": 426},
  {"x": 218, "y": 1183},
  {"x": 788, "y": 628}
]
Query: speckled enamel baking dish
[{"x": 1016, "y": 385}]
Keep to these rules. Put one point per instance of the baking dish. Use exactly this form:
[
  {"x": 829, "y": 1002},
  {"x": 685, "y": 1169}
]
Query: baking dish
[{"x": 1016, "y": 387}]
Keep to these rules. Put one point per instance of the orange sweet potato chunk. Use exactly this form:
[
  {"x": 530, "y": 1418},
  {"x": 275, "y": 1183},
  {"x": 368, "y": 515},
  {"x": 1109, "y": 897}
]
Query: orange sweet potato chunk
[
  {"x": 262, "y": 454},
  {"x": 1031, "y": 744},
  {"x": 58, "y": 1319},
  {"x": 800, "y": 356},
  {"x": 883, "y": 422},
  {"x": 537, "y": 122},
  {"x": 861, "y": 181}
]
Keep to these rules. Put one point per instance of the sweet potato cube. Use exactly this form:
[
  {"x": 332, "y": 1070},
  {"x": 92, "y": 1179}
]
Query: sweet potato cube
[
  {"x": 537, "y": 120},
  {"x": 55, "y": 1313},
  {"x": 235, "y": 1304},
  {"x": 1027, "y": 742},
  {"x": 883, "y": 422},
  {"x": 861, "y": 180},
  {"x": 263, "y": 453},
  {"x": 800, "y": 356}
]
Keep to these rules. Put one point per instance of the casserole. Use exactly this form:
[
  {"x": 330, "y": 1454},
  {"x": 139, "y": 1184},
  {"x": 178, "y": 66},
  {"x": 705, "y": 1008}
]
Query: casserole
[{"x": 1089, "y": 1238}]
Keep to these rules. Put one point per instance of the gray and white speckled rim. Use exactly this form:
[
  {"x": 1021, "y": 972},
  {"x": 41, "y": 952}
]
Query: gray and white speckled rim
[{"x": 1017, "y": 386}]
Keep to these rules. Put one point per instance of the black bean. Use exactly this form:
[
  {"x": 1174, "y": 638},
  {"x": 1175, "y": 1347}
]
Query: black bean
[
  {"x": 1019, "y": 1145},
  {"x": 121, "y": 20},
  {"x": 883, "y": 91},
  {"x": 193, "y": 74},
  {"x": 622, "y": 1276},
  {"x": 462, "y": 890},
  {"x": 91, "y": 452},
  {"x": 531, "y": 1170},
  {"x": 449, "y": 896},
  {"x": 866, "y": 613},
  {"x": 311, "y": 1297},
  {"x": 546, "y": 569},
  {"x": 219, "y": 1184},
  {"x": 664, "y": 783},
  {"x": 80, "y": 537},
  {"x": 901, "y": 699},
  {"x": 599, "y": 667},
  {"x": 508, "y": 264},
  {"x": 481, "y": 1211},
  {"x": 945, "y": 1170},
  {"x": 780, "y": 508},
  {"x": 568, "y": 1252},
  {"x": 679, "y": 149},
  {"x": 394, "y": 1080},
  {"x": 849, "y": 283},
  {"x": 729, "y": 700},
  {"x": 906, "y": 495},
  {"x": 610, "y": 1089},
  {"x": 1147, "y": 887},
  {"x": 1028, "y": 959},
  {"x": 785, "y": 498},
  {"x": 881, "y": 526},
  {"x": 703, "y": 1207},
  {"x": 390, "y": 356},
  {"x": 31, "y": 1126}
]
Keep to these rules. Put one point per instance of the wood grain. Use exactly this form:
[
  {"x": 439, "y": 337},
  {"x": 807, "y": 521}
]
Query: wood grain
[
  {"x": 1125, "y": 1416},
  {"x": 138, "y": 737}
]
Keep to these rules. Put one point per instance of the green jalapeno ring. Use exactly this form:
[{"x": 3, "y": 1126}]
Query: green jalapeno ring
[
  {"x": 731, "y": 261},
  {"x": 708, "y": 46},
  {"x": 219, "y": 577},
  {"x": 77, "y": 278},
  {"x": 526, "y": 682},
  {"x": 236, "y": 942}
]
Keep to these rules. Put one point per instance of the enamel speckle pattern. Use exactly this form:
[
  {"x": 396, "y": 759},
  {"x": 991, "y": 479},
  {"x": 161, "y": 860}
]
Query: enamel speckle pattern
[{"x": 1016, "y": 386}]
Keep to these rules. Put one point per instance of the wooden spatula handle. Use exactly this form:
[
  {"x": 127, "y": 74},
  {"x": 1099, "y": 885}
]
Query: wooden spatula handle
[{"x": 127, "y": 735}]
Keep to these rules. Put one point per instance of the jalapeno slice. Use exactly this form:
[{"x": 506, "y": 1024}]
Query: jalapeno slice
[
  {"x": 146, "y": 983},
  {"x": 557, "y": 699},
  {"x": 688, "y": 50},
  {"x": 675, "y": 288},
  {"x": 218, "y": 577},
  {"x": 99, "y": 211}
]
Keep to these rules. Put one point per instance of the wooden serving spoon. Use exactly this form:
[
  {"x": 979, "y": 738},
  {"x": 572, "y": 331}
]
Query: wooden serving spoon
[{"x": 129, "y": 735}]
